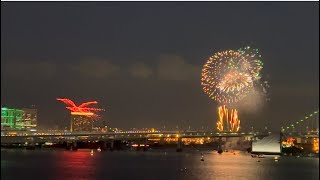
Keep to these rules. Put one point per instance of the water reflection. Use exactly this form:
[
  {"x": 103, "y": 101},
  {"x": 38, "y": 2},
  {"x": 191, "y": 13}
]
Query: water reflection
[
  {"x": 75, "y": 165},
  {"x": 62, "y": 165}
]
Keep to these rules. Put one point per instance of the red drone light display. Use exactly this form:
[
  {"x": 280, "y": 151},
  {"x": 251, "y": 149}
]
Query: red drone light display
[{"x": 81, "y": 109}]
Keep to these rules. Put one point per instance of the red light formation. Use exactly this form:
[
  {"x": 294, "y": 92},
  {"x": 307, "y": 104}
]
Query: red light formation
[{"x": 81, "y": 109}]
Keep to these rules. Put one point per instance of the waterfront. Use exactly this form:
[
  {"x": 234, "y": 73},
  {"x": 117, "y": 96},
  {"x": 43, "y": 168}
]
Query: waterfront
[{"x": 60, "y": 164}]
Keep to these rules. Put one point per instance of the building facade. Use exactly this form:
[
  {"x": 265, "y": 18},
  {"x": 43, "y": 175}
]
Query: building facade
[
  {"x": 18, "y": 119},
  {"x": 81, "y": 122},
  {"x": 29, "y": 118},
  {"x": 11, "y": 118}
]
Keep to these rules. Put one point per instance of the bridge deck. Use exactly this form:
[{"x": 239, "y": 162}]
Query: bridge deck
[{"x": 115, "y": 136}]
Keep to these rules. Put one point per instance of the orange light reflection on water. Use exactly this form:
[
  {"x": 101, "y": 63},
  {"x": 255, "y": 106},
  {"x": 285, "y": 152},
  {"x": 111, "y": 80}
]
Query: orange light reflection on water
[{"x": 76, "y": 163}]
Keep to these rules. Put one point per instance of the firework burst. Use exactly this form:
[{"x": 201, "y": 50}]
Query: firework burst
[
  {"x": 228, "y": 76},
  {"x": 231, "y": 77}
]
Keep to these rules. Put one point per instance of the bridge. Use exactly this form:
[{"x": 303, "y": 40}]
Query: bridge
[
  {"x": 108, "y": 138},
  {"x": 303, "y": 133},
  {"x": 306, "y": 126},
  {"x": 12, "y": 137}
]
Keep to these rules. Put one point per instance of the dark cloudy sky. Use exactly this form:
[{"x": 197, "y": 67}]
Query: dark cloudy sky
[{"x": 142, "y": 60}]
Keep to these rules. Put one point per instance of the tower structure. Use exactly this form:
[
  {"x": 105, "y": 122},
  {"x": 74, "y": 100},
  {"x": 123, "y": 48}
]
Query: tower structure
[{"x": 82, "y": 117}]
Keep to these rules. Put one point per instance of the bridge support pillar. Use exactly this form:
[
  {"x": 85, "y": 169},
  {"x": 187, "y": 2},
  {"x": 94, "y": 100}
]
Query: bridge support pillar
[
  {"x": 104, "y": 145},
  {"x": 31, "y": 145},
  {"x": 74, "y": 146},
  {"x": 220, "y": 145},
  {"x": 145, "y": 148},
  {"x": 111, "y": 145},
  {"x": 162, "y": 142},
  {"x": 179, "y": 144}
]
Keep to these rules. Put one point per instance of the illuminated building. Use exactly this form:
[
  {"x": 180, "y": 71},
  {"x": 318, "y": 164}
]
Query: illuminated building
[
  {"x": 82, "y": 117},
  {"x": 29, "y": 118},
  {"x": 11, "y": 118},
  {"x": 18, "y": 119},
  {"x": 81, "y": 122}
]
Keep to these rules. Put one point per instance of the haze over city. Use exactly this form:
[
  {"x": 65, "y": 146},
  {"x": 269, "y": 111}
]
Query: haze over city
[{"x": 142, "y": 61}]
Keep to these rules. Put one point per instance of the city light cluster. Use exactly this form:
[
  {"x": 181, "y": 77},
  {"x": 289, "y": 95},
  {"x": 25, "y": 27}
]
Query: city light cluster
[
  {"x": 289, "y": 142},
  {"x": 316, "y": 145},
  {"x": 188, "y": 141}
]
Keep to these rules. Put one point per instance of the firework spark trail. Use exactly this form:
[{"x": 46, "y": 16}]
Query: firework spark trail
[
  {"x": 234, "y": 121},
  {"x": 220, "y": 122},
  {"x": 232, "y": 124}
]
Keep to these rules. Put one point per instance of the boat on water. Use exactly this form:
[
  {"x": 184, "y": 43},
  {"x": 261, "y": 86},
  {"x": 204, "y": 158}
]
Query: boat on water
[
  {"x": 202, "y": 159},
  {"x": 257, "y": 156}
]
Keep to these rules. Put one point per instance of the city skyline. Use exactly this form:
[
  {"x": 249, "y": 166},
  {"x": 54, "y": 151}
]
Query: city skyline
[{"x": 143, "y": 61}]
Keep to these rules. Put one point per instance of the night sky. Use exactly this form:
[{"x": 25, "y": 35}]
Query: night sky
[{"x": 142, "y": 61}]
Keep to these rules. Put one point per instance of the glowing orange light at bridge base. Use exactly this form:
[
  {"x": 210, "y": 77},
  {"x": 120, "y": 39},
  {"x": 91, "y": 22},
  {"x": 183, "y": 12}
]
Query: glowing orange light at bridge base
[
  {"x": 228, "y": 123},
  {"x": 316, "y": 145}
]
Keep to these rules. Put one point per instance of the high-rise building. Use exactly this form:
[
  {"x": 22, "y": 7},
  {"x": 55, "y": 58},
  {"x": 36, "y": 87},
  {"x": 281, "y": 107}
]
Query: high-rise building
[
  {"x": 29, "y": 118},
  {"x": 82, "y": 116},
  {"x": 18, "y": 119},
  {"x": 11, "y": 118},
  {"x": 81, "y": 122}
]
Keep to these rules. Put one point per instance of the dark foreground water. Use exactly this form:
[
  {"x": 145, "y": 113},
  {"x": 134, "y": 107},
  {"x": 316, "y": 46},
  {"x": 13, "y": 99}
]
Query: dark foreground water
[{"x": 60, "y": 165}]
